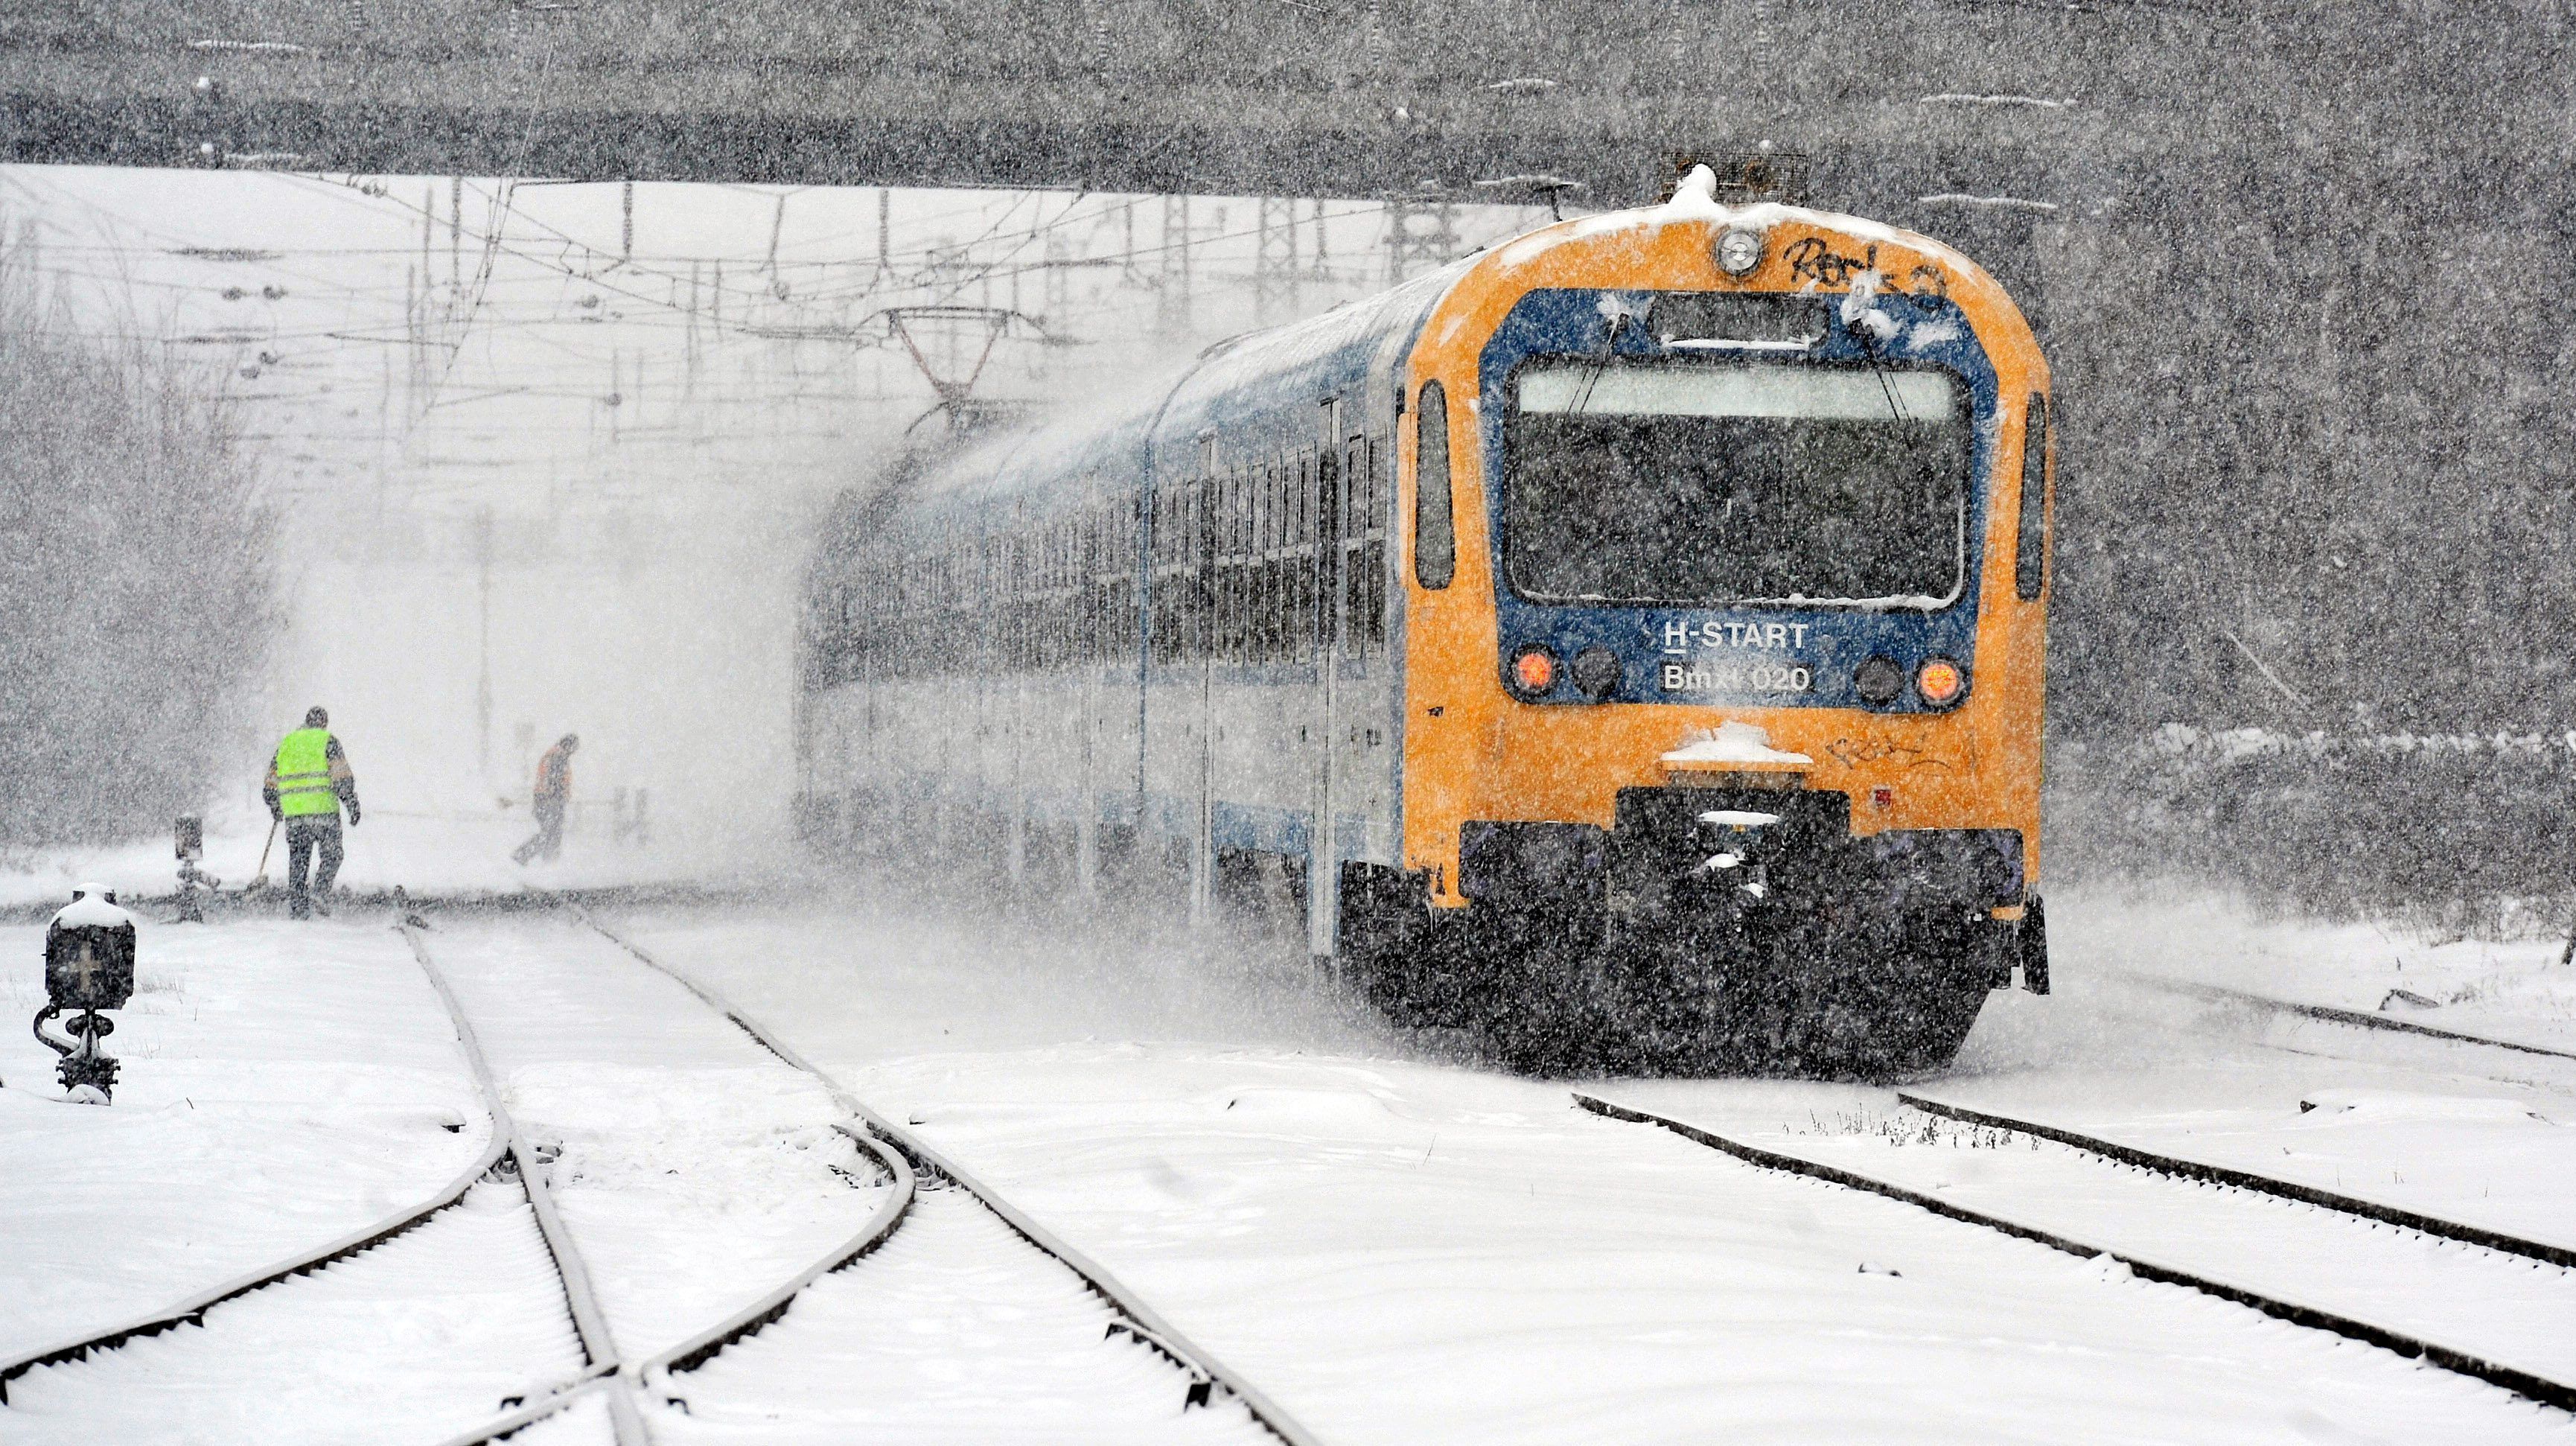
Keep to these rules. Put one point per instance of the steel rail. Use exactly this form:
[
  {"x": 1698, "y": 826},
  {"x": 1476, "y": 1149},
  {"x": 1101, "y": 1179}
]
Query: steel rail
[
  {"x": 2358, "y": 1018},
  {"x": 698, "y": 1349},
  {"x": 687, "y": 1355},
  {"x": 2207, "y": 1173},
  {"x": 192, "y": 1311},
  {"x": 563, "y": 1398},
  {"x": 2495, "y": 1373},
  {"x": 1140, "y": 1321},
  {"x": 653, "y": 1372},
  {"x": 590, "y": 1323}
]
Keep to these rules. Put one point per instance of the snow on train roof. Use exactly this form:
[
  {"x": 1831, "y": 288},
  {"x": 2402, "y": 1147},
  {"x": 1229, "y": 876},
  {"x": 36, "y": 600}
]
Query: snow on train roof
[
  {"x": 1067, "y": 449},
  {"x": 1695, "y": 199},
  {"x": 1318, "y": 340},
  {"x": 1063, "y": 448}
]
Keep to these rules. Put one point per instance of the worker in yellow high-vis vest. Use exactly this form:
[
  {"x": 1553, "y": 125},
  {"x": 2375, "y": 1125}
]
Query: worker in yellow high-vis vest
[{"x": 307, "y": 782}]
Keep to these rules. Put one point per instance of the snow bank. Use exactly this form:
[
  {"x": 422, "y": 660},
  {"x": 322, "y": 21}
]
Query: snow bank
[
  {"x": 1731, "y": 742},
  {"x": 91, "y": 911},
  {"x": 283, "y": 1085},
  {"x": 1694, "y": 200},
  {"x": 1737, "y": 818}
]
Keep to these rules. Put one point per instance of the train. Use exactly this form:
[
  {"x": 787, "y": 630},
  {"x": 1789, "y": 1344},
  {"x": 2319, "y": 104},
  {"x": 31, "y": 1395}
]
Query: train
[{"x": 1625, "y": 644}]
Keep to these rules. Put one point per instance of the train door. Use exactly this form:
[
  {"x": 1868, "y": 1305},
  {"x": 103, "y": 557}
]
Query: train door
[
  {"x": 1359, "y": 700},
  {"x": 1323, "y": 871},
  {"x": 1203, "y": 496}
]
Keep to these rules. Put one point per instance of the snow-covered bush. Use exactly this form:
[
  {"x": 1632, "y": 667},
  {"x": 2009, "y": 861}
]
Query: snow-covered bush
[
  {"x": 2447, "y": 830},
  {"x": 135, "y": 579}
]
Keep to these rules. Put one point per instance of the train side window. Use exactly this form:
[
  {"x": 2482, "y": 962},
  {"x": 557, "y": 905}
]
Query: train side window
[
  {"x": 1202, "y": 568},
  {"x": 1435, "y": 536},
  {"x": 1326, "y": 563},
  {"x": 2030, "y": 555},
  {"x": 1362, "y": 547},
  {"x": 1247, "y": 511},
  {"x": 1381, "y": 463},
  {"x": 1237, "y": 545},
  {"x": 1265, "y": 500}
]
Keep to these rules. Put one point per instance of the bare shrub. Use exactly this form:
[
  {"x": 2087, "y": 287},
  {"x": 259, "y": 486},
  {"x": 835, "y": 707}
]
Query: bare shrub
[{"x": 136, "y": 596}]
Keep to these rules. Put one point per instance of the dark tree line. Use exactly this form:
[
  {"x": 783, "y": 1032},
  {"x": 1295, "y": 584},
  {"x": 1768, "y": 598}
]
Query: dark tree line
[{"x": 136, "y": 598}]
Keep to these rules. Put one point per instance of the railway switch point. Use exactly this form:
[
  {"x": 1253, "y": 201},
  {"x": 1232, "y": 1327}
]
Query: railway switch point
[{"x": 89, "y": 966}]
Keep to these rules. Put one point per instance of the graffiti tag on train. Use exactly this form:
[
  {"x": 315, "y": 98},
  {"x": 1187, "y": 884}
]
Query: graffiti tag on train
[
  {"x": 1812, "y": 258},
  {"x": 1853, "y": 752}
]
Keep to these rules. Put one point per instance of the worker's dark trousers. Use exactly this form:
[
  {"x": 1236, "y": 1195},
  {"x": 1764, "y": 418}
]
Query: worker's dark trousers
[
  {"x": 549, "y": 839},
  {"x": 304, "y": 832}
]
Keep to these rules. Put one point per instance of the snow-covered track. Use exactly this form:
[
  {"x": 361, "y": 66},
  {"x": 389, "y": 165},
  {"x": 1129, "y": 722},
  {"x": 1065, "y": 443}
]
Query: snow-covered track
[
  {"x": 2330, "y": 1014},
  {"x": 609, "y": 1371},
  {"x": 654, "y": 1371},
  {"x": 590, "y": 1322},
  {"x": 2521, "y": 1382},
  {"x": 1135, "y": 1318},
  {"x": 192, "y": 1311},
  {"x": 2207, "y": 1173}
]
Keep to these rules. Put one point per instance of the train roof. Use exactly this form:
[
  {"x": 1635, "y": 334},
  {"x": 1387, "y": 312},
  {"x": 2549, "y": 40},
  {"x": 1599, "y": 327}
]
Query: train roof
[
  {"x": 1066, "y": 462},
  {"x": 1081, "y": 443}
]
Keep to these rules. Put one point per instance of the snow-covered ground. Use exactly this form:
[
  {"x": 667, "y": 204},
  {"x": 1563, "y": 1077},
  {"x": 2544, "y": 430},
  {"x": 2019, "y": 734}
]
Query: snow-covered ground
[
  {"x": 429, "y": 1332},
  {"x": 695, "y": 1171},
  {"x": 2493, "y": 1304},
  {"x": 1399, "y": 1248},
  {"x": 2509, "y": 989},
  {"x": 1394, "y": 1243},
  {"x": 282, "y": 1086},
  {"x": 956, "y": 1330}
]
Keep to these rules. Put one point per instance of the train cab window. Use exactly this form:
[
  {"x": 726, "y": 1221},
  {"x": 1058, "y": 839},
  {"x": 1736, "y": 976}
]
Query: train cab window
[
  {"x": 2030, "y": 552},
  {"x": 1707, "y": 483},
  {"x": 1435, "y": 539}
]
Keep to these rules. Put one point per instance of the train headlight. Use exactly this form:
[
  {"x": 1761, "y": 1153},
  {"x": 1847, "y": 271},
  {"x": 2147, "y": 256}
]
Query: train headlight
[
  {"x": 1533, "y": 670},
  {"x": 1597, "y": 672},
  {"x": 1941, "y": 682},
  {"x": 1878, "y": 681},
  {"x": 1738, "y": 251}
]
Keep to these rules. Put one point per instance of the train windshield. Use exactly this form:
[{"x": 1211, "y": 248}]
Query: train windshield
[{"x": 1705, "y": 483}]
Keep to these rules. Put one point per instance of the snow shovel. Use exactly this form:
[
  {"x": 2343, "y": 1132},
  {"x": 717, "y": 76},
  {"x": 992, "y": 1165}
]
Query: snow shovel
[{"x": 259, "y": 880}]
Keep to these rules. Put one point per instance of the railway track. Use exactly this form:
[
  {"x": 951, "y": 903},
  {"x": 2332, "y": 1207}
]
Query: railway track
[
  {"x": 2515, "y": 1058},
  {"x": 2468, "y": 1300},
  {"x": 192, "y": 1311},
  {"x": 2205, "y": 1172},
  {"x": 616, "y": 1376},
  {"x": 626, "y": 1384},
  {"x": 605, "y": 1373},
  {"x": 1207, "y": 1375}
]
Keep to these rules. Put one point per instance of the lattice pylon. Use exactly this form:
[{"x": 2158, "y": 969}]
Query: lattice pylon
[
  {"x": 1275, "y": 279},
  {"x": 1418, "y": 236}
]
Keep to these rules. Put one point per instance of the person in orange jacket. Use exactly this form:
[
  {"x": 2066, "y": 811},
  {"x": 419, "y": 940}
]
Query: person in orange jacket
[{"x": 553, "y": 794}]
